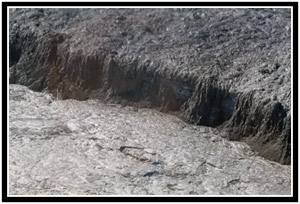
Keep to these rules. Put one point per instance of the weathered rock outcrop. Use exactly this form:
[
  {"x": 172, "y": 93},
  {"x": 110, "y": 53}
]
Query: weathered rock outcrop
[
  {"x": 71, "y": 147},
  {"x": 225, "y": 68}
]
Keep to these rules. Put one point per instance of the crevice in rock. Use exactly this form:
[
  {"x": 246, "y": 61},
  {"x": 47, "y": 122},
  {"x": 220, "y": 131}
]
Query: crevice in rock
[{"x": 265, "y": 126}]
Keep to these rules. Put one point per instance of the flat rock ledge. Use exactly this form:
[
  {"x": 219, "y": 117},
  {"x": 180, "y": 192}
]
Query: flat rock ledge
[{"x": 70, "y": 147}]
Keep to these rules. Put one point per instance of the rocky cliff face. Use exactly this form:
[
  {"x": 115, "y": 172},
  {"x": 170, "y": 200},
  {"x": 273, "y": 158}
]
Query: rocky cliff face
[{"x": 224, "y": 68}]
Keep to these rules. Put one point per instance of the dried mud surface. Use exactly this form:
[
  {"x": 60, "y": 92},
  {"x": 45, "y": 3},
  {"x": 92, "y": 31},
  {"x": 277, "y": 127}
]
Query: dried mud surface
[{"x": 70, "y": 147}]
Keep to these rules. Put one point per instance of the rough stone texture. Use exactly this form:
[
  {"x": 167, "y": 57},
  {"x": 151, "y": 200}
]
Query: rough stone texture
[
  {"x": 70, "y": 147},
  {"x": 225, "y": 68}
]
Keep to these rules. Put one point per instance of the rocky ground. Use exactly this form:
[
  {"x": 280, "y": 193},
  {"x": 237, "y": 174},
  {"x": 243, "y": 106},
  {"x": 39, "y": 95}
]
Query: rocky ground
[
  {"x": 70, "y": 147},
  {"x": 224, "y": 68},
  {"x": 155, "y": 101}
]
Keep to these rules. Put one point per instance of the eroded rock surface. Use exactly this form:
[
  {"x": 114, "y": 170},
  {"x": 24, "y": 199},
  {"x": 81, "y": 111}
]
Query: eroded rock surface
[
  {"x": 90, "y": 147},
  {"x": 225, "y": 68}
]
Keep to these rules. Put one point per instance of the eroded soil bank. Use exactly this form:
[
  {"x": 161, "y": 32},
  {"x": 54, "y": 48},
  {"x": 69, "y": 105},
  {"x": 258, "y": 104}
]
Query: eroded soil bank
[
  {"x": 70, "y": 147},
  {"x": 223, "y": 68}
]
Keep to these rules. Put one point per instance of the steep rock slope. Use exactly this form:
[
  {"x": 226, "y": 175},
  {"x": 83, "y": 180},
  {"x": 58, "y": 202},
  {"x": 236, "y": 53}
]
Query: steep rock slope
[{"x": 225, "y": 68}]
